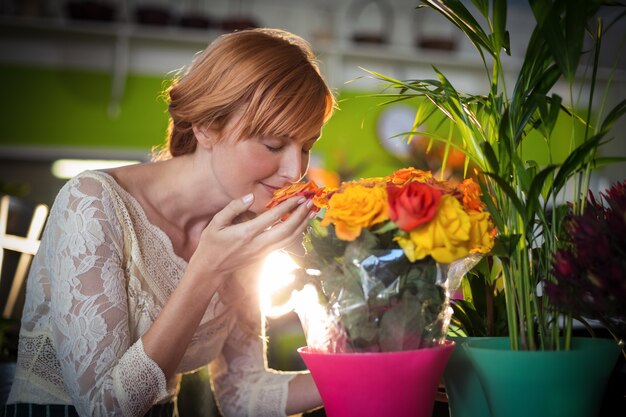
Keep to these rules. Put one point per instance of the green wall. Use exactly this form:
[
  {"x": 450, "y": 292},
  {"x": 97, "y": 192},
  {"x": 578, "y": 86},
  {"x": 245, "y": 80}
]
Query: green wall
[
  {"x": 61, "y": 107},
  {"x": 68, "y": 108}
]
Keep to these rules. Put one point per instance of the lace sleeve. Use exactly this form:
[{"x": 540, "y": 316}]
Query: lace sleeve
[
  {"x": 104, "y": 374},
  {"x": 243, "y": 384}
]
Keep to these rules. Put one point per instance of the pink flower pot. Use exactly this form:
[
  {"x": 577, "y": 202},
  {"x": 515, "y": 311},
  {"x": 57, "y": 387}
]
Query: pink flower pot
[{"x": 398, "y": 384}]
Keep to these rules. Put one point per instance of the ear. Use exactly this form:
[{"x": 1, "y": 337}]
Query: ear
[{"x": 205, "y": 136}]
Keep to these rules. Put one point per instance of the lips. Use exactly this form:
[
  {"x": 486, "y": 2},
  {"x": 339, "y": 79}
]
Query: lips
[{"x": 269, "y": 188}]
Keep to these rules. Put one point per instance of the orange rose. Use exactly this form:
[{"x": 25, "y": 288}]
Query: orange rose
[
  {"x": 471, "y": 195},
  {"x": 412, "y": 204},
  {"x": 354, "y": 208},
  {"x": 404, "y": 175},
  {"x": 306, "y": 189}
]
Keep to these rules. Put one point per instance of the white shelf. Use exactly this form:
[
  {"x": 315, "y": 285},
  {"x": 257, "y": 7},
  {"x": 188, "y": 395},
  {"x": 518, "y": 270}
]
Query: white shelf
[
  {"x": 16, "y": 29},
  {"x": 124, "y": 48}
]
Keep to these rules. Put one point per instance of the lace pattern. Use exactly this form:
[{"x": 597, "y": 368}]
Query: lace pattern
[
  {"x": 132, "y": 379},
  {"x": 98, "y": 282}
]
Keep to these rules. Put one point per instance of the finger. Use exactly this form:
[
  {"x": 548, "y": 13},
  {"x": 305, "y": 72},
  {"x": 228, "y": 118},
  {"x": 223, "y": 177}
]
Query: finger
[
  {"x": 273, "y": 215},
  {"x": 289, "y": 229},
  {"x": 292, "y": 239},
  {"x": 236, "y": 207}
]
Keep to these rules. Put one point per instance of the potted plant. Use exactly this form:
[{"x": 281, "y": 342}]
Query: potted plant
[
  {"x": 589, "y": 268},
  {"x": 381, "y": 257},
  {"x": 525, "y": 199}
]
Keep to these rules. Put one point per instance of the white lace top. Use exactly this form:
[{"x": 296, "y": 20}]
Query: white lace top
[{"x": 99, "y": 280}]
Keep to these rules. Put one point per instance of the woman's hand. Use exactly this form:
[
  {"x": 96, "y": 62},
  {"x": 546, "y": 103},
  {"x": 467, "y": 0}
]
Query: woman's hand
[{"x": 226, "y": 246}]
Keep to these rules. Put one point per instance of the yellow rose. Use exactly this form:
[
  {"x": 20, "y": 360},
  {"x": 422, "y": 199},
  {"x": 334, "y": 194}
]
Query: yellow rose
[
  {"x": 354, "y": 208},
  {"x": 445, "y": 237},
  {"x": 481, "y": 232}
]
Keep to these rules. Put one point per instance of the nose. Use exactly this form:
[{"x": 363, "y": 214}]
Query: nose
[{"x": 293, "y": 165}]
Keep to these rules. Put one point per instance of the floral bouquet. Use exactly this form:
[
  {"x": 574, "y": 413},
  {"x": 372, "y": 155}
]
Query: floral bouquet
[
  {"x": 383, "y": 255},
  {"x": 590, "y": 269}
]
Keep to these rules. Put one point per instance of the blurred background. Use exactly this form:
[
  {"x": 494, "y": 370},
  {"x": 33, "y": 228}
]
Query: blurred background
[
  {"x": 83, "y": 79},
  {"x": 82, "y": 85}
]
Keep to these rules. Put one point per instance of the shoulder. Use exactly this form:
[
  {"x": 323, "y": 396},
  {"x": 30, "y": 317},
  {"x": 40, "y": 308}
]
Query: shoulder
[
  {"x": 84, "y": 217},
  {"x": 88, "y": 185},
  {"x": 89, "y": 195}
]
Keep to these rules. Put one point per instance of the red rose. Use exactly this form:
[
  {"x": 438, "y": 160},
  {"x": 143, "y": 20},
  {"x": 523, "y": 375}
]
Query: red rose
[{"x": 413, "y": 204}]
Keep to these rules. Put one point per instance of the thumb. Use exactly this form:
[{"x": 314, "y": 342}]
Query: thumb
[{"x": 232, "y": 210}]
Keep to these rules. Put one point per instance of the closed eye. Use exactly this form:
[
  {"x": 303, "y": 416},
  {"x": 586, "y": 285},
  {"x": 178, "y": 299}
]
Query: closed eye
[{"x": 274, "y": 149}]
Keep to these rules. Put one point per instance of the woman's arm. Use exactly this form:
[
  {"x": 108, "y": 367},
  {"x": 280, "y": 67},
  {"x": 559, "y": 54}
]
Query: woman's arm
[
  {"x": 103, "y": 371},
  {"x": 303, "y": 394},
  {"x": 245, "y": 387},
  {"x": 224, "y": 248}
]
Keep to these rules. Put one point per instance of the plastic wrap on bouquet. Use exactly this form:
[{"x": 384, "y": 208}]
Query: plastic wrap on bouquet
[
  {"x": 383, "y": 255},
  {"x": 373, "y": 300}
]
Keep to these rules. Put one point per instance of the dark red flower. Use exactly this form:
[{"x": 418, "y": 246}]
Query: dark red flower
[
  {"x": 590, "y": 269},
  {"x": 412, "y": 204}
]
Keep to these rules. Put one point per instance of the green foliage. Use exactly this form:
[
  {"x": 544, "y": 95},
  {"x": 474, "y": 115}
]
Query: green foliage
[
  {"x": 522, "y": 197},
  {"x": 482, "y": 311}
]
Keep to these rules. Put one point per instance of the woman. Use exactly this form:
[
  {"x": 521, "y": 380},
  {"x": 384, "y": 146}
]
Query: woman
[{"x": 145, "y": 271}]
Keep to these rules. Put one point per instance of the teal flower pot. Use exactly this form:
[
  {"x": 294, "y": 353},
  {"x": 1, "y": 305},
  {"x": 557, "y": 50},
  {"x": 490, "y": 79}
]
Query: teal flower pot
[
  {"x": 543, "y": 383},
  {"x": 466, "y": 397}
]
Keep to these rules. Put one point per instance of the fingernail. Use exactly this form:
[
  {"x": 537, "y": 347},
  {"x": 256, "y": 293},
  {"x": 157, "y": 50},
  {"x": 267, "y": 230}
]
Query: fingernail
[
  {"x": 301, "y": 200},
  {"x": 312, "y": 215},
  {"x": 247, "y": 199},
  {"x": 309, "y": 204}
]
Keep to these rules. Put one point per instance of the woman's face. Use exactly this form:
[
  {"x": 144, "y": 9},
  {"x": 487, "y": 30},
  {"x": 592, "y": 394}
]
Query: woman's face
[{"x": 259, "y": 165}]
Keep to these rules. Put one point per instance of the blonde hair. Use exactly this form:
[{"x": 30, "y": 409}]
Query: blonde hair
[{"x": 269, "y": 76}]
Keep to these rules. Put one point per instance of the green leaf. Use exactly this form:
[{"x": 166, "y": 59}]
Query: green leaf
[
  {"x": 496, "y": 214},
  {"x": 467, "y": 318},
  {"x": 549, "y": 118},
  {"x": 576, "y": 161},
  {"x": 536, "y": 98},
  {"x": 614, "y": 115},
  {"x": 402, "y": 325},
  {"x": 505, "y": 246},
  {"x": 323, "y": 244},
  {"x": 386, "y": 227},
  {"x": 458, "y": 15},
  {"x": 532, "y": 198},
  {"x": 597, "y": 163},
  {"x": 521, "y": 172},
  {"x": 501, "y": 36},
  {"x": 482, "y": 6},
  {"x": 490, "y": 155}
]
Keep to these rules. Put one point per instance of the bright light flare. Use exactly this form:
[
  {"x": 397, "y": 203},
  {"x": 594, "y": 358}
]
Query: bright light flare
[
  {"x": 315, "y": 321},
  {"x": 277, "y": 273},
  {"x": 68, "y": 168}
]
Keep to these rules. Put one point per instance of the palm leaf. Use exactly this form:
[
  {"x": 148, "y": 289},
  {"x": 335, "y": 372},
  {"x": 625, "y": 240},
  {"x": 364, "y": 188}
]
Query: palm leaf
[
  {"x": 510, "y": 193},
  {"x": 609, "y": 121},
  {"x": 500, "y": 34},
  {"x": 534, "y": 191},
  {"x": 458, "y": 15},
  {"x": 575, "y": 161}
]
